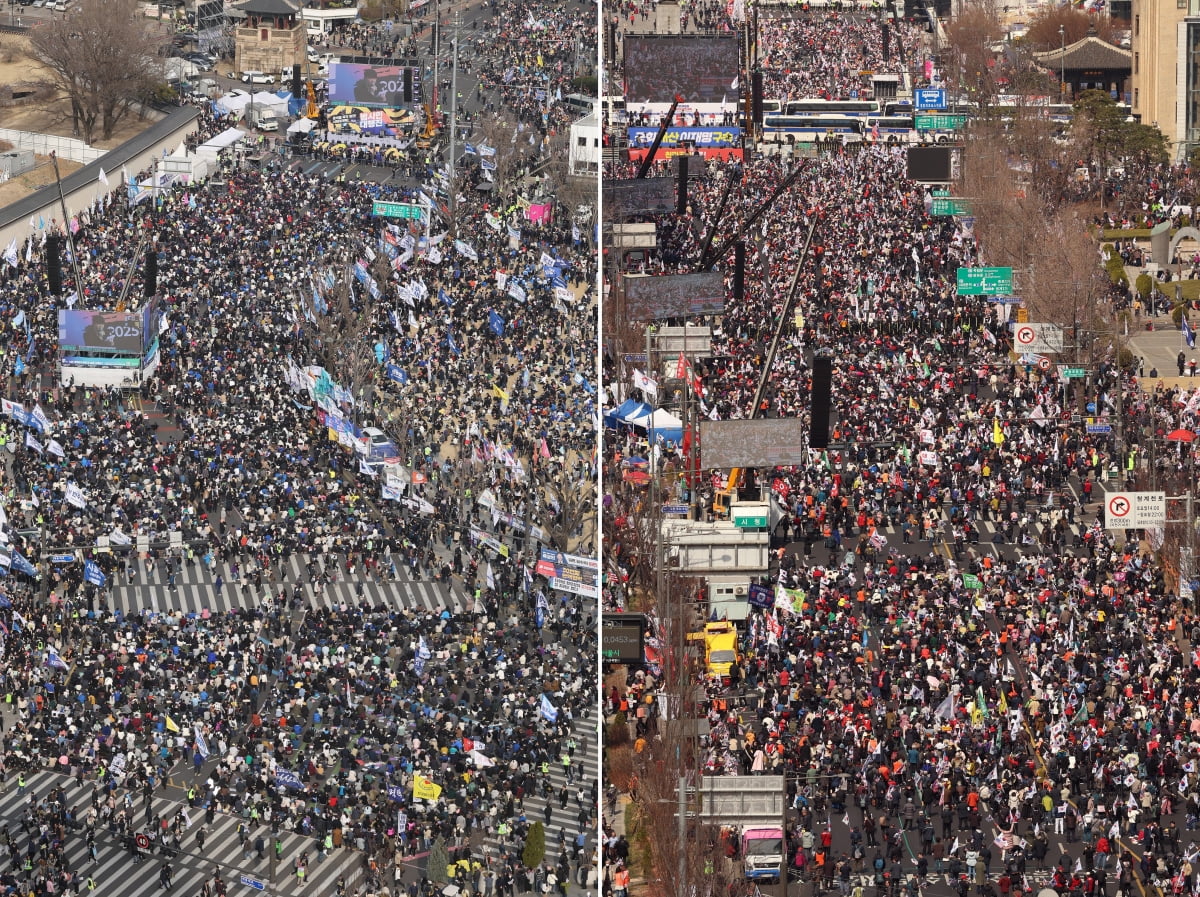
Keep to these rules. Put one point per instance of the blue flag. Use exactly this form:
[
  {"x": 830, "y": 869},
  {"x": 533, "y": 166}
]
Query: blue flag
[
  {"x": 201, "y": 745},
  {"x": 445, "y": 297},
  {"x": 23, "y": 566},
  {"x": 496, "y": 323},
  {"x": 549, "y": 711},
  {"x": 53, "y": 660},
  {"x": 285, "y": 778},
  {"x": 1189, "y": 334},
  {"x": 450, "y": 341},
  {"x": 93, "y": 574},
  {"x": 397, "y": 373}
]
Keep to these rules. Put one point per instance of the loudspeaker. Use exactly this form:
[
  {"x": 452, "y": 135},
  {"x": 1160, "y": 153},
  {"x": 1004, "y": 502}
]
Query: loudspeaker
[
  {"x": 150, "y": 283},
  {"x": 408, "y": 93},
  {"x": 739, "y": 270},
  {"x": 822, "y": 385},
  {"x": 756, "y": 97},
  {"x": 296, "y": 81},
  {"x": 54, "y": 264},
  {"x": 681, "y": 195}
]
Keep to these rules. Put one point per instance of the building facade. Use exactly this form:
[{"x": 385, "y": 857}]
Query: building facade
[
  {"x": 272, "y": 38},
  {"x": 1166, "y": 69}
]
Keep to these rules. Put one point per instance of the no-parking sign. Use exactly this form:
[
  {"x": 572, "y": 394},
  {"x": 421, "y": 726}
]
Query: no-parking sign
[{"x": 1135, "y": 510}]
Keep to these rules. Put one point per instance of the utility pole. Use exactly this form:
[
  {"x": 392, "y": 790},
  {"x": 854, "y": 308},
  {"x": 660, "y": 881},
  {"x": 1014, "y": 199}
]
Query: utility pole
[{"x": 452, "y": 186}]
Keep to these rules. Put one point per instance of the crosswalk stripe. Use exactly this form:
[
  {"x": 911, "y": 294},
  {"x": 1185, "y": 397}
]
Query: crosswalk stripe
[
  {"x": 194, "y": 589},
  {"x": 117, "y": 875}
]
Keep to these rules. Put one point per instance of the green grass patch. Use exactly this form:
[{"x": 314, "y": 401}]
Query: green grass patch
[
  {"x": 1132, "y": 234},
  {"x": 1191, "y": 289}
]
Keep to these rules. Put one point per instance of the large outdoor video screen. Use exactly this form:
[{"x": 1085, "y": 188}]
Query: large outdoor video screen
[
  {"x": 103, "y": 331},
  {"x": 364, "y": 84},
  {"x": 698, "y": 69}
]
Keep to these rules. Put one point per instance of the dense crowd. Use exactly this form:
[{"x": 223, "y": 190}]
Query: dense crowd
[
  {"x": 949, "y": 720},
  {"x": 473, "y": 351}
]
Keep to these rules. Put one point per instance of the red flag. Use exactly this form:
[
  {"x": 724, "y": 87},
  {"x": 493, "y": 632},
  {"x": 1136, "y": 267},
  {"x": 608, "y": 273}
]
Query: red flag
[{"x": 681, "y": 367}]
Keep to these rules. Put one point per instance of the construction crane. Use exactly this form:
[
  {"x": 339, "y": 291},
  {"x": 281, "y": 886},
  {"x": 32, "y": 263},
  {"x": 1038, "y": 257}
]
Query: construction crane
[
  {"x": 425, "y": 138},
  {"x": 312, "y": 112}
]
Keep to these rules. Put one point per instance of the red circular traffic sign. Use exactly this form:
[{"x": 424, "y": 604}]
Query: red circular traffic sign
[
  {"x": 1119, "y": 506},
  {"x": 1024, "y": 335},
  {"x": 142, "y": 840}
]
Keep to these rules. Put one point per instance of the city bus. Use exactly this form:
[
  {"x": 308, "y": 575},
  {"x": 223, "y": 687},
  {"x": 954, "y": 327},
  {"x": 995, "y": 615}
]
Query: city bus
[
  {"x": 812, "y": 128},
  {"x": 815, "y": 105}
]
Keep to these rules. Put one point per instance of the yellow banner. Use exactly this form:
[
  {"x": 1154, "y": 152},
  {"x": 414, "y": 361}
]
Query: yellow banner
[{"x": 424, "y": 789}]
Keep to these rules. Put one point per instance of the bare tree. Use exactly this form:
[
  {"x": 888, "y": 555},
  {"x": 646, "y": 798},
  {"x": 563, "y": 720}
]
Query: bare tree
[
  {"x": 105, "y": 56},
  {"x": 971, "y": 36}
]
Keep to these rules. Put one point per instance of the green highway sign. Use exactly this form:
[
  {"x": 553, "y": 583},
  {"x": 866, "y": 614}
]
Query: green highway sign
[
  {"x": 939, "y": 191},
  {"x": 395, "y": 209},
  {"x": 750, "y": 522},
  {"x": 940, "y": 122},
  {"x": 1073, "y": 373},
  {"x": 985, "y": 281},
  {"x": 946, "y": 206}
]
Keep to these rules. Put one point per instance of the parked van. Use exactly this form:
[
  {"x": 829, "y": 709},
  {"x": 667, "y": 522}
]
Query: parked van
[{"x": 257, "y": 78}]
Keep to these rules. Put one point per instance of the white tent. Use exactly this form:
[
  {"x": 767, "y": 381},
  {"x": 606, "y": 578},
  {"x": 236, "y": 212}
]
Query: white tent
[
  {"x": 264, "y": 99},
  {"x": 301, "y": 126},
  {"x": 224, "y": 140}
]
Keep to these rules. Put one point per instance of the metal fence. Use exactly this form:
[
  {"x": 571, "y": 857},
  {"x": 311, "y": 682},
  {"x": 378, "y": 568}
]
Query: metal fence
[{"x": 44, "y": 144}]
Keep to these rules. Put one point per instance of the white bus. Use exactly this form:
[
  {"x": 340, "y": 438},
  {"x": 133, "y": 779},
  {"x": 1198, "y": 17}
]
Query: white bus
[{"x": 812, "y": 128}]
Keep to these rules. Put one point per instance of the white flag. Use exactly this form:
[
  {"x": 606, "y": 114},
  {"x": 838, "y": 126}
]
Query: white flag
[
  {"x": 74, "y": 496},
  {"x": 103, "y": 178},
  {"x": 55, "y": 448},
  {"x": 491, "y": 580},
  {"x": 645, "y": 384},
  {"x": 32, "y": 443}
]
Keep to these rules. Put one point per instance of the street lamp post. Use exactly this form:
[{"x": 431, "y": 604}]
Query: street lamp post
[{"x": 1062, "y": 64}]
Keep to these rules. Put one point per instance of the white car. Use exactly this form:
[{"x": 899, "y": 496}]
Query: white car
[{"x": 257, "y": 78}]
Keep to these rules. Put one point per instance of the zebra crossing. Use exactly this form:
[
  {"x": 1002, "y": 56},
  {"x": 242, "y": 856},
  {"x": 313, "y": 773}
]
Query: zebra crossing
[
  {"x": 117, "y": 875},
  {"x": 586, "y": 770},
  {"x": 194, "y": 590},
  {"x": 1031, "y": 534}
]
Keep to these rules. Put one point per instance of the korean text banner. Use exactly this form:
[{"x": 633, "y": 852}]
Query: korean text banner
[{"x": 702, "y": 138}]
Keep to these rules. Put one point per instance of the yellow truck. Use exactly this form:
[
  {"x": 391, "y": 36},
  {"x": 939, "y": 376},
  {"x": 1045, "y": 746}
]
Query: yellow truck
[{"x": 720, "y": 648}]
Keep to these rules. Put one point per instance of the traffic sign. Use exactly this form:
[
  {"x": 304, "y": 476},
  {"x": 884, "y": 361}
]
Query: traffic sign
[
  {"x": 385, "y": 209},
  {"x": 1069, "y": 373},
  {"x": 945, "y": 206},
  {"x": 253, "y": 883},
  {"x": 675, "y": 509},
  {"x": 1037, "y": 337},
  {"x": 939, "y": 191},
  {"x": 1135, "y": 510},
  {"x": 67, "y": 557},
  {"x": 929, "y": 98},
  {"x": 985, "y": 281},
  {"x": 142, "y": 840},
  {"x": 1098, "y": 429},
  {"x": 941, "y": 122},
  {"x": 634, "y": 357}
]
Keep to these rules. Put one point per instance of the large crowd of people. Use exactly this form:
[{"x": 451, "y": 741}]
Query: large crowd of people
[
  {"x": 948, "y": 719},
  {"x": 470, "y": 342}
]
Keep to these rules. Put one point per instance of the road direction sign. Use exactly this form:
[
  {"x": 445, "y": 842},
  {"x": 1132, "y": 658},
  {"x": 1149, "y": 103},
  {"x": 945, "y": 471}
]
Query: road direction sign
[
  {"x": 1037, "y": 337},
  {"x": 67, "y": 557},
  {"x": 253, "y": 883},
  {"x": 675, "y": 509},
  {"x": 947, "y": 206},
  {"x": 941, "y": 122},
  {"x": 1099, "y": 429},
  {"x": 1069, "y": 373},
  {"x": 929, "y": 98},
  {"x": 634, "y": 357},
  {"x": 1135, "y": 510},
  {"x": 385, "y": 209},
  {"x": 985, "y": 281}
]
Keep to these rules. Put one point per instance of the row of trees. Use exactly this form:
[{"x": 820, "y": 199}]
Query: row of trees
[{"x": 106, "y": 58}]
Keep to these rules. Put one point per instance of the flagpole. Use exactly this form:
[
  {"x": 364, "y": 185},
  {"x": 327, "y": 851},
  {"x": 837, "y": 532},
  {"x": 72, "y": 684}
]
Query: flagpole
[{"x": 62, "y": 201}]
